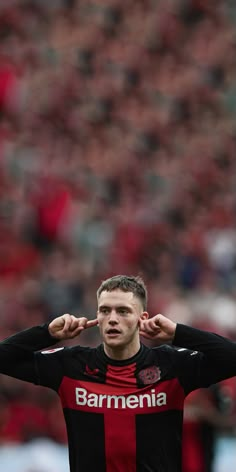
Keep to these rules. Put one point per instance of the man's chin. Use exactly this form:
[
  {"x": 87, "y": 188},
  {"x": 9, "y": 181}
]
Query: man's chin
[{"x": 113, "y": 340}]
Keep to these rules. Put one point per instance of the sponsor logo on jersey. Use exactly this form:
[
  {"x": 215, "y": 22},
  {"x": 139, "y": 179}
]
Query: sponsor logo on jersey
[
  {"x": 90, "y": 371},
  {"x": 51, "y": 351},
  {"x": 145, "y": 400},
  {"x": 150, "y": 375}
]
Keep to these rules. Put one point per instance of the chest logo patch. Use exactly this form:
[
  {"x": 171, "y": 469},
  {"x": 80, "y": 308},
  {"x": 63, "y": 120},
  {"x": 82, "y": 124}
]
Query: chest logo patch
[{"x": 150, "y": 375}]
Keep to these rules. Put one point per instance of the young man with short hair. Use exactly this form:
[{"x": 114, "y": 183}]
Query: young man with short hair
[{"x": 122, "y": 401}]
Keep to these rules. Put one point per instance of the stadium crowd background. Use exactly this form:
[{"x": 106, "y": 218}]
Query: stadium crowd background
[{"x": 117, "y": 155}]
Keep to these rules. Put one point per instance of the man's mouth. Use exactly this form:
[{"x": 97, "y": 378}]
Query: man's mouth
[{"x": 112, "y": 332}]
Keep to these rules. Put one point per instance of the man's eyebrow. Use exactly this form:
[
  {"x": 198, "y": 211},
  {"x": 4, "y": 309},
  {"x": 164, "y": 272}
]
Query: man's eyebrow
[
  {"x": 120, "y": 307},
  {"x": 124, "y": 307}
]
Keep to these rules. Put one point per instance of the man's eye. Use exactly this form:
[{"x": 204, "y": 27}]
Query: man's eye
[
  {"x": 104, "y": 311},
  {"x": 122, "y": 311}
]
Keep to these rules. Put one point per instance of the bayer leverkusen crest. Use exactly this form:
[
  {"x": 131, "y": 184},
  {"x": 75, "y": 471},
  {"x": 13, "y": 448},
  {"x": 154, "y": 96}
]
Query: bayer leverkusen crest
[{"x": 150, "y": 375}]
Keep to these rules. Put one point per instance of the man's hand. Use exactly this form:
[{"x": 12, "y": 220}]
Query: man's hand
[
  {"x": 68, "y": 326},
  {"x": 158, "y": 328}
]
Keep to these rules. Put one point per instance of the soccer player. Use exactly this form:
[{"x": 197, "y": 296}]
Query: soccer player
[{"x": 122, "y": 401}]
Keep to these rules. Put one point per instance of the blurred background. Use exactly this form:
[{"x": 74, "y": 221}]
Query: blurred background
[{"x": 117, "y": 155}]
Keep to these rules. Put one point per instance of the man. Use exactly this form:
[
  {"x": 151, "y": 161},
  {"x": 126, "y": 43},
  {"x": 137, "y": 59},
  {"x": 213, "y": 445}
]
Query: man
[{"x": 122, "y": 401}]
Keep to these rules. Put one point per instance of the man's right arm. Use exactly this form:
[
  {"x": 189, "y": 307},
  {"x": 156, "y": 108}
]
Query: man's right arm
[{"x": 17, "y": 352}]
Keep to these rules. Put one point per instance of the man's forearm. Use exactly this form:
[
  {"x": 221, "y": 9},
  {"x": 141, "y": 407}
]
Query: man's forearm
[
  {"x": 25, "y": 342},
  {"x": 197, "y": 339},
  {"x": 220, "y": 351},
  {"x": 17, "y": 358}
]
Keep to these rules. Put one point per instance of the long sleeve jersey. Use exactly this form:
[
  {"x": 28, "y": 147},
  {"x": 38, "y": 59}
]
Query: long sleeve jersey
[{"x": 121, "y": 416}]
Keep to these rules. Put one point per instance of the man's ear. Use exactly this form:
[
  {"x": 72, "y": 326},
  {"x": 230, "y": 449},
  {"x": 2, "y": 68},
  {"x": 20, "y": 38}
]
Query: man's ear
[{"x": 144, "y": 315}]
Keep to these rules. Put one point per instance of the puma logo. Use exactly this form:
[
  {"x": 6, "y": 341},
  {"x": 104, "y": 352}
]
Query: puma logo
[{"x": 91, "y": 371}]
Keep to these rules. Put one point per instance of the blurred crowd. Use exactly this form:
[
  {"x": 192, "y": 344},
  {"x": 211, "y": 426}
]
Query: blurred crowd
[{"x": 117, "y": 155}]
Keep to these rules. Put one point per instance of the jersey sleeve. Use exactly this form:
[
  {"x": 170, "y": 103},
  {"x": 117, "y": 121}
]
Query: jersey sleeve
[
  {"x": 203, "y": 358},
  {"x": 17, "y": 352},
  {"x": 53, "y": 365},
  {"x": 50, "y": 367}
]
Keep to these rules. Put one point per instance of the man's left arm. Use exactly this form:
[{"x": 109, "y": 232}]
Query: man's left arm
[
  {"x": 218, "y": 359},
  {"x": 205, "y": 358}
]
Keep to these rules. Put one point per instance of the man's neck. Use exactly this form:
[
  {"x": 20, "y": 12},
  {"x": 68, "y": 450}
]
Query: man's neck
[{"x": 122, "y": 353}]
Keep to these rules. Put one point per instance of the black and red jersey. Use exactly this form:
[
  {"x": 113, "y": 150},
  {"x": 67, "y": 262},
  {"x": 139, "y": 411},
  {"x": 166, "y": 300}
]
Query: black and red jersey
[{"x": 122, "y": 416}]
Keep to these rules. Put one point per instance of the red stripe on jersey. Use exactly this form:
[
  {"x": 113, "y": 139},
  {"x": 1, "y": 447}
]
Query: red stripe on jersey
[
  {"x": 120, "y": 441},
  {"x": 120, "y": 429},
  {"x": 121, "y": 376}
]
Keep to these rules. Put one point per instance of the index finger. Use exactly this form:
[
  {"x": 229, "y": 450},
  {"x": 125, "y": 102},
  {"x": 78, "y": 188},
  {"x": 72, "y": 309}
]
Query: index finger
[{"x": 91, "y": 323}]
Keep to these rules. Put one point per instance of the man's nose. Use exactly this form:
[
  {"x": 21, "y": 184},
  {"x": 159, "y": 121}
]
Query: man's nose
[{"x": 113, "y": 318}]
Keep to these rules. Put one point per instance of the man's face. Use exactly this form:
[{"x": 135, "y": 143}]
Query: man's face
[{"x": 118, "y": 318}]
